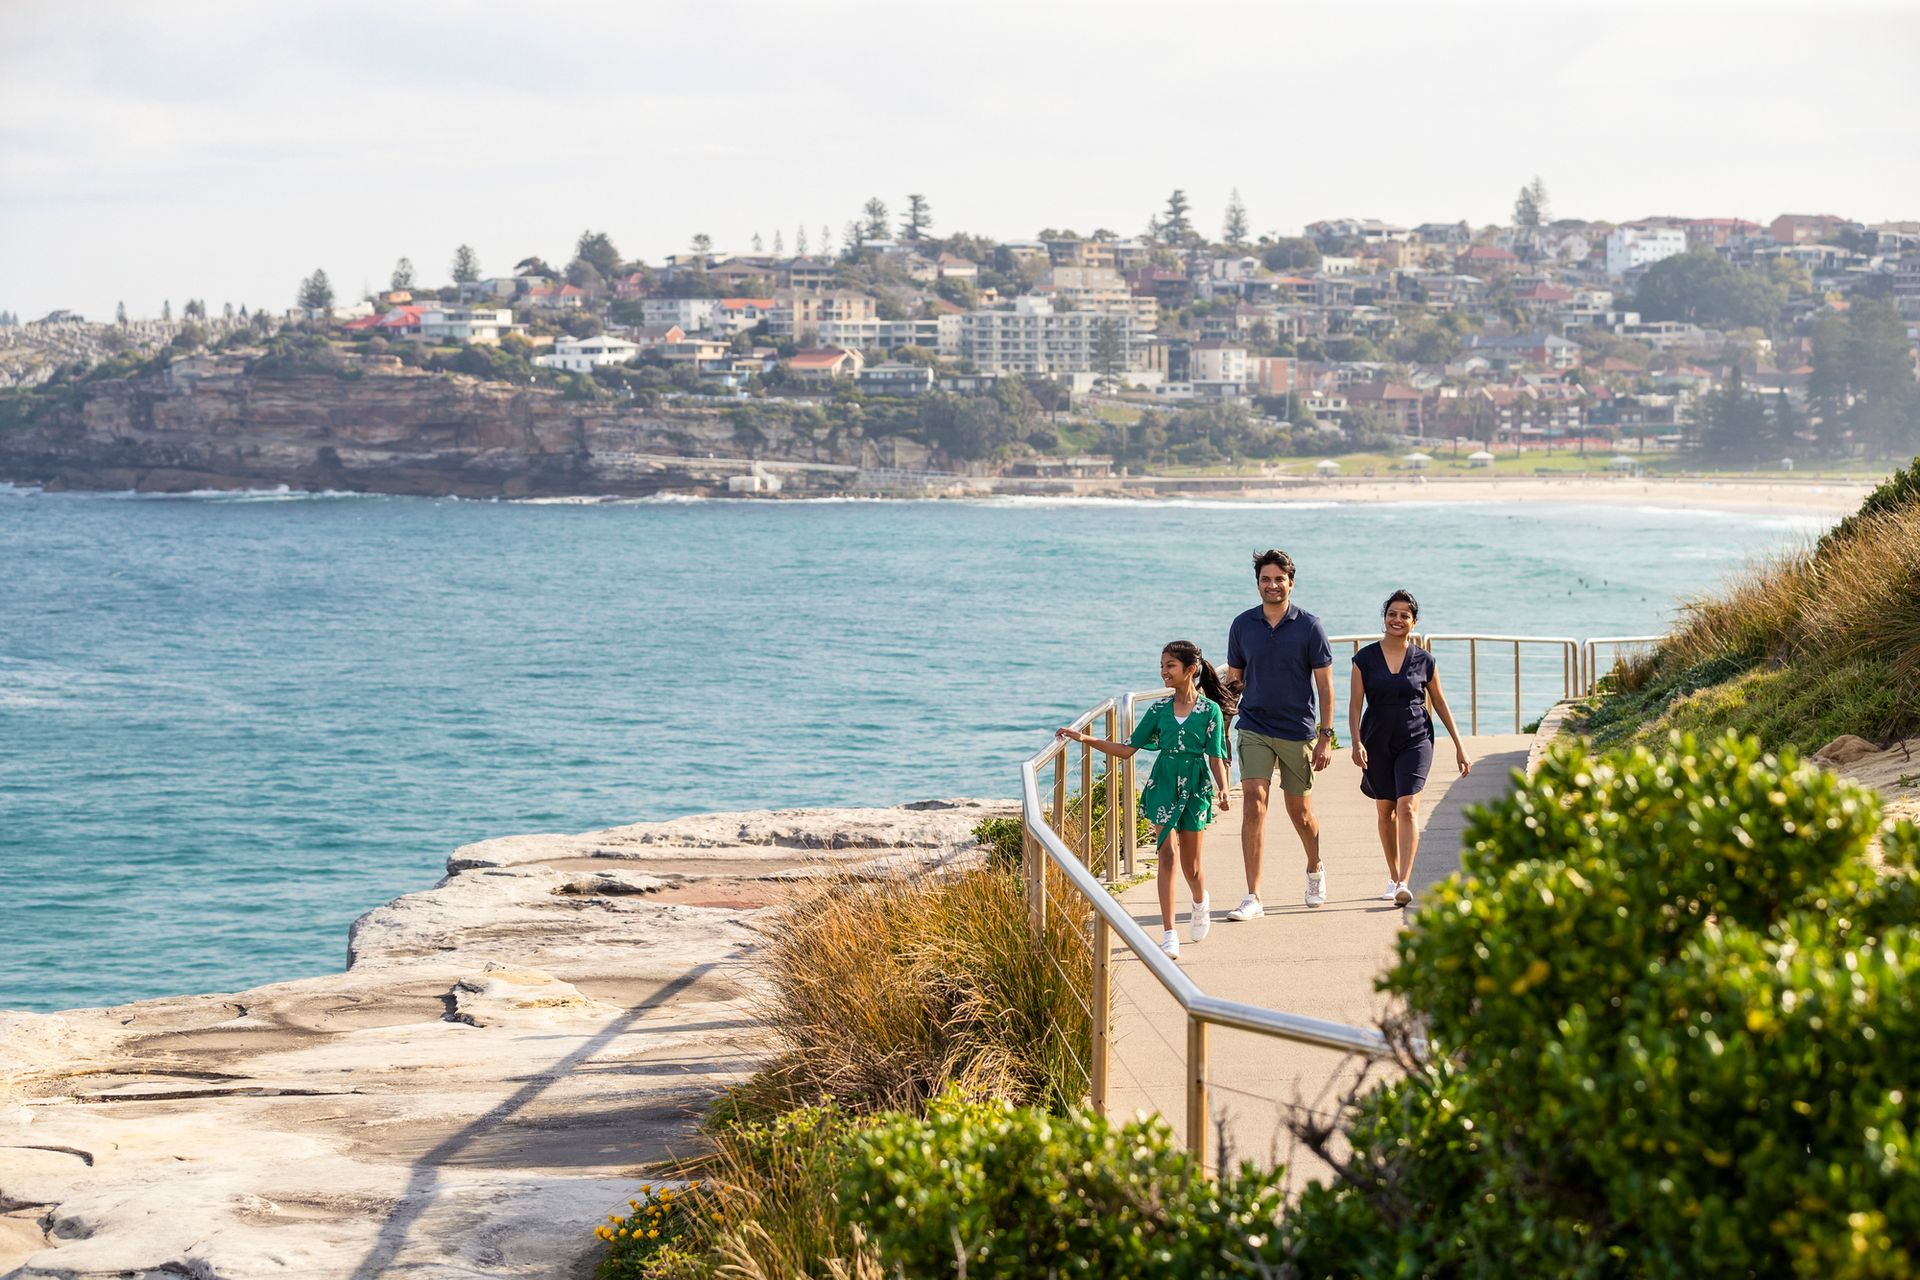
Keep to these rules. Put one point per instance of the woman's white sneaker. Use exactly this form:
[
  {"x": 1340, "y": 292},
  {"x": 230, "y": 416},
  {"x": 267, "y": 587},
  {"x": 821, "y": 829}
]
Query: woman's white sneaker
[
  {"x": 1317, "y": 888},
  {"x": 1170, "y": 943},
  {"x": 1248, "y": 909},
  {"x": 1202, "y": 918},
  {"x": 1403, "y": 895},
  {"x": 1391, "y": 892}
]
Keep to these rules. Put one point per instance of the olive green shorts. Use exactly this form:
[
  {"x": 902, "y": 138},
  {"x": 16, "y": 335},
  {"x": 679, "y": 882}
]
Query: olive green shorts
[{"x": 1259, "y": 754}]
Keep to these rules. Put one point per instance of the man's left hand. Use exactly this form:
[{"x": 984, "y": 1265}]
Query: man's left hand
[{"x": 1322, "y": 753}]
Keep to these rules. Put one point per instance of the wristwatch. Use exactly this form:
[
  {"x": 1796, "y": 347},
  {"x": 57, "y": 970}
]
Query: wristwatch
[{"x": 1326, "y": 731}]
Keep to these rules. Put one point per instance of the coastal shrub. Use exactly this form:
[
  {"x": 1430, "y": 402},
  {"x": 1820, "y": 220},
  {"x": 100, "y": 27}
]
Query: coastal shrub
[
  {"x": 883, "y": 993},
  {"x": 1004, "y": 838},
  {"x": 990, "y": 1191},
  {"x": 659, "y": 1236},
  {"x": 1675, "y": 1016}
]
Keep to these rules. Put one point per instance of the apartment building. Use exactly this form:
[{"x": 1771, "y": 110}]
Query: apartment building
[
  {"x": 694, "y": 315},
  {"x": 582, "y": 355},
  {"x": 467, "y": 324},
  {"x": 799, "y": 313},
  {"x": 1630, "y": 247},
  {"x": 939, "y": 334},
  {"x": 1031, "y": 337}
]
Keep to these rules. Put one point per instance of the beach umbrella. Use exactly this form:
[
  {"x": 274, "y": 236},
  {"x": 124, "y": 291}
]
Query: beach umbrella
[
  {"x": 1480, "y": 458},
  {"x": 1416, "y": 459},
  {"x": 1326, "y": 466}
]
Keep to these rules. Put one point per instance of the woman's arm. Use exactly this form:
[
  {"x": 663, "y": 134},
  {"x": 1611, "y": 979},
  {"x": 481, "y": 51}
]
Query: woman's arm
[
  {"x": 1119, "y": 749},
  {"x": 1355, "y": 695},
  {"x": 1446, "y": 718}
]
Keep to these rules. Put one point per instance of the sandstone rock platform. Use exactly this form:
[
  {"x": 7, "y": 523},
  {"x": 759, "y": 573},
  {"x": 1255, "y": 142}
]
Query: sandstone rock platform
[{"x": 503, "y": 1057}]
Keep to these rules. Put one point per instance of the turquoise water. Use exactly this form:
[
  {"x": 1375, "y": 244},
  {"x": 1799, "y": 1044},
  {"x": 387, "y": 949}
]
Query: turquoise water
[{"x": 230, "y": 725}]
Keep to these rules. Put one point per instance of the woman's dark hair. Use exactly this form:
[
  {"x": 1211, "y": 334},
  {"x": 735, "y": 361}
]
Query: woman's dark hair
[
  {"x": 1187, "y": 653},
  {"x": 1278, "y": 559},
  {"x": 1402, "y": 597}
]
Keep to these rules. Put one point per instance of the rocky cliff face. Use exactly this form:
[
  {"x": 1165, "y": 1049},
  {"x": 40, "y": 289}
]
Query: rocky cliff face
[{"x": 204, "y": 426}]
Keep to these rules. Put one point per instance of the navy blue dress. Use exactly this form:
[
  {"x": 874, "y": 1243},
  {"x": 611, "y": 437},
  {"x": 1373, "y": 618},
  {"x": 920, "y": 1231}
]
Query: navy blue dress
[{"x": 1395, "y": 727}]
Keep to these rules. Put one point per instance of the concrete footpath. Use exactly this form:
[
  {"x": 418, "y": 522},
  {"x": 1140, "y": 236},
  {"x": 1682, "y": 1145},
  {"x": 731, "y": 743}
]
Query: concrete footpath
[{"x": 1318, "y": 961}]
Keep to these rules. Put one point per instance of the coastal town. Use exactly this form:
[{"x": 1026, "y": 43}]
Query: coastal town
[{"x": 1729, "y": 340}]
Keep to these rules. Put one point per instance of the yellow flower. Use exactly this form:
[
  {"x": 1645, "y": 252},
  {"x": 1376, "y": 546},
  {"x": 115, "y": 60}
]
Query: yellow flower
[{"x": 651, "y": 1234}]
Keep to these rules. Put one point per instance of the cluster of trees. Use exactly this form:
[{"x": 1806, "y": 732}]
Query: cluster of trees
[
  {"x": 1701, "y": 287},
  {"x": 1862, "y": 389}
]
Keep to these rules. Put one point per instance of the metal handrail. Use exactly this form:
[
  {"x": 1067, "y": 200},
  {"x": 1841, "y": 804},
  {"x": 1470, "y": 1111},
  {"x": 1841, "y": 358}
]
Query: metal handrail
[
  {"x": 1589, "y": 654},
  {"x": 1569, "y": 668}
]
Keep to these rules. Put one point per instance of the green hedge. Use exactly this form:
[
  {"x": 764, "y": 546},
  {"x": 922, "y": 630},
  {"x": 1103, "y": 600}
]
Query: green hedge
[{"x": 1677, "y": 1016}]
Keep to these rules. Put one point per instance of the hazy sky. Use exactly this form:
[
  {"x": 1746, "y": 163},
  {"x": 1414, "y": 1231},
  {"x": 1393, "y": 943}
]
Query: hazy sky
[{"x": 224, "y": 150}]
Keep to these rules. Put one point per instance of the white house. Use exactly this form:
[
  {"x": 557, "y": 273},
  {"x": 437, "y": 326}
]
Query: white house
[
  {"x": 1630, "y": 247},
  {"x": 579, "y": 355},
  {"x": 694, "y": 315},
  {"x": 1215, "y": 364},
  {"x": 467, "y": 324}
]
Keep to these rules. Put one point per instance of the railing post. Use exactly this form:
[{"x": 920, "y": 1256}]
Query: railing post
[
  {"x": 1102, "y": 1010},
  {"x": 1086, "y": 804},
  {"x": 1197, "y": 1091},
  {"x": 1130, "y": 800},
  {"x": 1114, "y": 808},
  {"x": 1516, "y": 686},
  {"x": 1060, "y": 793},
  {"x": 1473, "y": 685},
  {"x": 1034, "y": 860}
]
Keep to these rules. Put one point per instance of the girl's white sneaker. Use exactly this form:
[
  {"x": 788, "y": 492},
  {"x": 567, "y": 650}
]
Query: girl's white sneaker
[
  {"x": 1202, "y": 918},
  {"x": 1391, "y": 891},
  {"x": 1170, "y": 943}
]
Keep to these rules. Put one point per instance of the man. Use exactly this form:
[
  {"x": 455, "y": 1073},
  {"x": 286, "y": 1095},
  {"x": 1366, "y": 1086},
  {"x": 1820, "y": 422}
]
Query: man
[{"x": 1278, "y": 656}]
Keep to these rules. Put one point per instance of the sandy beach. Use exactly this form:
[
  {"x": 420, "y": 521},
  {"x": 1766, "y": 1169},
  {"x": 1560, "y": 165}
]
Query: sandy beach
[{"x": 1813, "y": 496}]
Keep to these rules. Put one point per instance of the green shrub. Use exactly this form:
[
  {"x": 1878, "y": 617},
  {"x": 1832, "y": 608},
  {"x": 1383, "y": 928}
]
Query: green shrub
[
  {"x": 1676, "y": 1018},
  {"x": 996, "y": 1192},
  {"x": 1003, "y": 839}
]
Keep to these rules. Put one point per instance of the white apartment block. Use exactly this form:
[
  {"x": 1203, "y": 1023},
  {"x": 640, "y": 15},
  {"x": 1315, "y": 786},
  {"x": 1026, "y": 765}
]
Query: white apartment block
[
  {"x": 1217, "y": 363},
  {"x": 693, "y": 315},
  {"x": 1630, "y": 247},
  {"x": 580, "y": 355},
  {"x": 939, "y": 334},
  {"x": 467, "y": 324},
  {"x": 1031, "y": 337}
]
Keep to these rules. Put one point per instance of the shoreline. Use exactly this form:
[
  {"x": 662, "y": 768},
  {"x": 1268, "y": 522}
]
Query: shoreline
[
  {"x": 1798, "y": 494},
  {"x": 501, "y": 1060}
]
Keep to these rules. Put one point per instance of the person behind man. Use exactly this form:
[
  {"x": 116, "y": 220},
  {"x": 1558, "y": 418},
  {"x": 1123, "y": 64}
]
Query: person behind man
[{"x": 1278, "y": 654}]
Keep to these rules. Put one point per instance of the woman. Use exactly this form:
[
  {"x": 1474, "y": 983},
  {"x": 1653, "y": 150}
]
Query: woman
[
  {"x": 1393, "y": 742},
  {"x": 1189, "y": 730}
]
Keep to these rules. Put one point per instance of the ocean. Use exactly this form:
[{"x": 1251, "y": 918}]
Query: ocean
[{"x": 230, "y": 724}]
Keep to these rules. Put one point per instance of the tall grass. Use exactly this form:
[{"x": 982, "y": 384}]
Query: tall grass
[
  {"x": 884, "y": 993},
  {"x": 1800, "y": 649}
]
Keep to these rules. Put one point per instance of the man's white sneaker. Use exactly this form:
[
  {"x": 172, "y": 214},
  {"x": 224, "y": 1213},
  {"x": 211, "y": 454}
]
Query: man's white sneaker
[
  {"x": 1403, "y": 895},
  {"x": 1248, "y": 909},
  {"x": 1316, "y": 888},
  {"x": 1170, "y": 943},
  {"x": 1202, "y": 918},
  {"x": 1391, "y": 892}
]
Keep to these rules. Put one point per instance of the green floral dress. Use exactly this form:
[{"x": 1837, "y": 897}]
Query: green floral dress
[{"x": 1179, "y": 793}]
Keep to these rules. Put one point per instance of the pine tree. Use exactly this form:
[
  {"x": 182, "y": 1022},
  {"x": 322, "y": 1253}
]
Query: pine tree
[
  {"x": 919, "y": 218},
  {"x": 166, "y": 311},
  {"x": 120, "y": 314},
  {"x": 1176, "y": 227},
  {"x": 826, "y": 241},
  {"x": 703, "y": 244},
  {"x": 402, "y": 275},
  {"x": 1538, "y": 190},
  {"x": 1234, "y": 230},
  {"x": 466, "y": 265},
  {"x": 1526, "y": 208},
  {"x": 779, "y": 245},
  {"x": 226, "y": 311},
  {"x": 316, "y": 292},
  {"x": 876, "y": 224},
  {"x": 756, "y": 242},
  {"x": 800, "y": 241}
]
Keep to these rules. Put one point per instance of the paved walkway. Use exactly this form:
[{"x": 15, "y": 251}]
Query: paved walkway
[{"x": 1318, "y": 961}]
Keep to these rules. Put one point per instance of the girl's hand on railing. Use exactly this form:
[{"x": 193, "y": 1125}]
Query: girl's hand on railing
[
  {"x": 1070, "y": 735},
  {"x": 1460, "y": 758},
  {"x": 1359, "y": 756}
]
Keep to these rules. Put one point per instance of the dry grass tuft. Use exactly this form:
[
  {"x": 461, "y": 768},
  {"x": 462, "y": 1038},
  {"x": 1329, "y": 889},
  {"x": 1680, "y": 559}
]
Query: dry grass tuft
[{"x": 884, "y": 993}]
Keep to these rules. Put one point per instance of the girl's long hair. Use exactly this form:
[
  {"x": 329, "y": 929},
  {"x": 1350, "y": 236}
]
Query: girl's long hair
[{"x": 1187, "y": 653}]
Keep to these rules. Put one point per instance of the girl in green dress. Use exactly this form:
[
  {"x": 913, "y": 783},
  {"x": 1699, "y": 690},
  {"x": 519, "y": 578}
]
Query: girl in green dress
[{"x": 1189, "y": 730}]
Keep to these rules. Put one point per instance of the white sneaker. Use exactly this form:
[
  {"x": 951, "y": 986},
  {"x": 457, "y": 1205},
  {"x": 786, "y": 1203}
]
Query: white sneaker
[
  {"x": 1170, "y": 943},
  {"x": 1317, "y": 888},
  {"x": 1248, "y": 909},
  {"x": 1403, "y": 895},
  {"x": 1202, "y": 918},
  {"x": 1391, "y": 892}
]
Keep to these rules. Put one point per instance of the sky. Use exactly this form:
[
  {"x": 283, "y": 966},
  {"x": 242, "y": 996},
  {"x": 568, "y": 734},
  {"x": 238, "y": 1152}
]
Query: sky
[{"x": 223, "y": 151}]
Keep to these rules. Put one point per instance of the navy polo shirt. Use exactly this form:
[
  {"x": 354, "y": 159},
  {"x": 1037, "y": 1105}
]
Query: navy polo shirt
[{"x": 1277, "y": 665}]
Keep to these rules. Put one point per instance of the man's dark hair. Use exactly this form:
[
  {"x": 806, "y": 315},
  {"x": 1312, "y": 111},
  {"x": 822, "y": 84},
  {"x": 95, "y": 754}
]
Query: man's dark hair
[{"x": 1278, "y": 559}]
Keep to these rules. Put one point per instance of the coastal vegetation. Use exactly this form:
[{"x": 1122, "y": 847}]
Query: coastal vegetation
[
  {"x": 1671, "y": 1028},
  {"x": 1814, "y": 644}
]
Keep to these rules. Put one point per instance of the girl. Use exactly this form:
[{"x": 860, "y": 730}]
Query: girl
[
  {"x": 1189, "y": 730},
  {"x": 1393, "y": 741}
]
